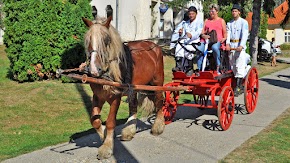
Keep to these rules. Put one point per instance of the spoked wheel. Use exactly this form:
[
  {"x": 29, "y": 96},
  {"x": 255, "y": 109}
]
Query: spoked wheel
[
  {"x": 251, "y": 90},
  {"x": 226, "y": 107},
  {"x": 170, "y": 104}
]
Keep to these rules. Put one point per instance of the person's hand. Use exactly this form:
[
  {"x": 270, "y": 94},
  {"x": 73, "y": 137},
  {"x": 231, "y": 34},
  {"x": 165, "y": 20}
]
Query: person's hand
[
  {"x": 188, "y": 35},
  {"x": 223, "y": 40},
  {"x": 205, "y": 36},
  {"x": 240, "y": 48},
  {"x": 180, "y": 31},
  {"x": 228, "y": 48}
]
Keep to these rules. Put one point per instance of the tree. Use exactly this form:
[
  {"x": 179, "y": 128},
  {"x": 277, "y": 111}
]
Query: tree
[
  {"x": 177, "y": 3},
  {"x": 44, "y": 35},
  {"x": 255, "y": 29},
  {"x": 286, "y": 19}
]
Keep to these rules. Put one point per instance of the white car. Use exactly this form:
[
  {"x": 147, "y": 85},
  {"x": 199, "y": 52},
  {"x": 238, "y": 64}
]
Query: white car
[{"x": 266, "y": 50}]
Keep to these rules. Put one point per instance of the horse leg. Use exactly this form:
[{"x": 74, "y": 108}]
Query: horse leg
[
  {"x": 106, "y": 150},
  {"x": 96, "y": 117},
  {"x": 129, "y": 130},
  {"x": 159, "y": 124}
]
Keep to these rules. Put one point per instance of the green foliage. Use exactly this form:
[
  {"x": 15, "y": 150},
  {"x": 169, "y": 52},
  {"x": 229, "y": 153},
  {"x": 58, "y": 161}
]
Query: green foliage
[
  {"x": 285, "y": 46},
  {"x": 45, "y": 32},
  {"x": 263, "y": 25},
  {"x": 205, "y": 6},
  {"x": 177, "y": 3},
  {"x": 1, "y": 15},
  {"x": 225, "y": 12}
]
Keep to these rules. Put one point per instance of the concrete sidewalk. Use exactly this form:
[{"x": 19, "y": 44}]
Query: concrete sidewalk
[{"x": 192, "y": 137}]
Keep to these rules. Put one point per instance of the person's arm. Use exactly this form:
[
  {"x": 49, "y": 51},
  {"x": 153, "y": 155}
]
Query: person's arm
[
  {"x": 245, "y": 34},
  {"x": 178, "y": 27},
  {"x": 224, "y": 27},
  {"x": 204, "y": 31},
  {"x": 194, "y": 34},
  {"x": 228, "y": 41}
]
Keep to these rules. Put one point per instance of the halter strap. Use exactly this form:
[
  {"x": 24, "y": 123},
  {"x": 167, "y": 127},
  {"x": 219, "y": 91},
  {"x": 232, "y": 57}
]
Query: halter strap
[{"x": 92, "y": 51}]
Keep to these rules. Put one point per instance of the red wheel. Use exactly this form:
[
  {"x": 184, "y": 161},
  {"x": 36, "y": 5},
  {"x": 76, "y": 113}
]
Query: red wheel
[
  {"x": 251, "y": 90},
  {"x": 226, "y": 107},
  {"x": 170, "y": 105}
]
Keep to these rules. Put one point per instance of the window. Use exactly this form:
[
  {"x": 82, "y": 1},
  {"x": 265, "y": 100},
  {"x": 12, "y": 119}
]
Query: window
[{"x": 287, "y": 36}]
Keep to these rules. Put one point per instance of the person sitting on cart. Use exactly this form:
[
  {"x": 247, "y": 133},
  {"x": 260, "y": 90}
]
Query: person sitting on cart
[
  {"x": 238, "y": 31},
  {"x": 214, "y": 22},
  {"x": 175, "y": 35},
  {"x": 190, "y": 31}
]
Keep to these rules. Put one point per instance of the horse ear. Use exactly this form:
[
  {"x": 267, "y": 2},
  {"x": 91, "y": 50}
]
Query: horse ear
[
  {"x": 107, "y": 24},
  {"x": 87, "y": 22}
]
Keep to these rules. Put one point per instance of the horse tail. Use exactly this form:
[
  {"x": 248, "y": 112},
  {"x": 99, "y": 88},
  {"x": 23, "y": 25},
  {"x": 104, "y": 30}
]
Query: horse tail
[{"x": 146, "y": 103}]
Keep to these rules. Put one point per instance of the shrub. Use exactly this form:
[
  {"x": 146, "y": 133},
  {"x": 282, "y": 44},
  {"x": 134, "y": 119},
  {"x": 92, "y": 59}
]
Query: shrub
[
  {"x": 285, "y": 46},
  {"x": 48, "y": 33}
]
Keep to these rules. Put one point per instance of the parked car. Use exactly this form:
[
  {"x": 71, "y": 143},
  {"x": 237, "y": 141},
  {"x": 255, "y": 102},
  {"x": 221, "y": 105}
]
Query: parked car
[{"x": 265, "y": 50}]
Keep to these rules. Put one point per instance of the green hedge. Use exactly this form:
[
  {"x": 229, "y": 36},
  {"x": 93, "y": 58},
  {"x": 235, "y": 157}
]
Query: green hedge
[
  {"x": 285, "y": 46},
  {"x": 44, "y": 35}
]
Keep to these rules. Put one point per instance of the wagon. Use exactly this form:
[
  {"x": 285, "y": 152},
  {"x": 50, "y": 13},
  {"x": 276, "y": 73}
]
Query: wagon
[{"x": 203, "y": 86}]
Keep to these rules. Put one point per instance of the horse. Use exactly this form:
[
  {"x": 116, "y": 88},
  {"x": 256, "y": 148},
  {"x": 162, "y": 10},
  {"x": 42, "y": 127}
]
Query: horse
[{"x": 137, "y": 62}]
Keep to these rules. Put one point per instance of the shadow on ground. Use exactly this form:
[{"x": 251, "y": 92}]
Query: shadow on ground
[
  {"x": 209, "y": 122},
  {"x": 278, "y": 83}
]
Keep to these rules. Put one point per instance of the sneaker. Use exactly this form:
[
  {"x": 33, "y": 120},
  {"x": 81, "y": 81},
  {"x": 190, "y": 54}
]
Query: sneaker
[{"x": 189, "y": 73}]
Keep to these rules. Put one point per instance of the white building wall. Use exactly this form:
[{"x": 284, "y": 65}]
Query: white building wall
[
  {"x": 101, "y": 7},
  {"x": 168, "y": 23},
  {"x": 134, "y": 17},
  {"x": 155, "y": 19},
  {"x": 279, "y": 34}
]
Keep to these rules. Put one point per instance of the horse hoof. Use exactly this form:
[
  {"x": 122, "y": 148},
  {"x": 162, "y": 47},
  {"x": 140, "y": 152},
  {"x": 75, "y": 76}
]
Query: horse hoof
[
  {"x": 104, "y": 152},
  {"x": 158, "y": 127},
  {"x": 128, "y": 132}
]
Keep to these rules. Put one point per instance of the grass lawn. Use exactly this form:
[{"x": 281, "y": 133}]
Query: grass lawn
[
  {"x": 39, "y": 114},
  {"x": 270, "y": 145}
]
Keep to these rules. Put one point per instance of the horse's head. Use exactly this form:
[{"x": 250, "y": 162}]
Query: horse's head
[{"x": 97, "y": 44}]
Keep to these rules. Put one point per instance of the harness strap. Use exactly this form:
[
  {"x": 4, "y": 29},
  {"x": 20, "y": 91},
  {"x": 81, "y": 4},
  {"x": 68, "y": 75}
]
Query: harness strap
[{"x": 189, "y": 51}]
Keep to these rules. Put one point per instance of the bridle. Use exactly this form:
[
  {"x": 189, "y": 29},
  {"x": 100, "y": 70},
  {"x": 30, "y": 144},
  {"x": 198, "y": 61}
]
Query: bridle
[{"x": 104, "y": 74}]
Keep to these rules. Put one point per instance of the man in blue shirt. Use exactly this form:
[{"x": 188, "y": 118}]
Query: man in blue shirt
[
  {"x": 190, "y": 31},
  {"x": 238, "y": 31}
]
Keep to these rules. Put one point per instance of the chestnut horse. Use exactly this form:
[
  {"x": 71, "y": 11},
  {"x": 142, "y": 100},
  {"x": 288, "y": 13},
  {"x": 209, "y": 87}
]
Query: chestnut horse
[{"x": 138, "y": 62}]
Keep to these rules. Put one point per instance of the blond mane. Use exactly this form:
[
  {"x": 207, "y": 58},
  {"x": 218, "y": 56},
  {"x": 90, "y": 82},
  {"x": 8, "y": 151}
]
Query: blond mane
[{"x": 111, "y": 55}]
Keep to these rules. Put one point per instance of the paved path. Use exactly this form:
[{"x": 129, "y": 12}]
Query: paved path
[
  {"x": 193, "y": 137},
  {"x": 281, "y": 59}
]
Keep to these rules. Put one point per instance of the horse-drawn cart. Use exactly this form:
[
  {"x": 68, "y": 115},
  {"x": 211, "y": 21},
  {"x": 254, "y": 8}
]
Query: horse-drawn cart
[{"x": 204, "y": 87}]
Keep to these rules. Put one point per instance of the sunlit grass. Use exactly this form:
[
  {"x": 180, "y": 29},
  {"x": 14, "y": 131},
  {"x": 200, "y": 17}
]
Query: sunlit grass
[{"x": 270, "y": 145}]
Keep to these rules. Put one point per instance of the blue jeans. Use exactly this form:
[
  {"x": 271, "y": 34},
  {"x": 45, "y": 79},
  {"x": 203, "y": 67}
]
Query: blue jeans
[
  {"x": 217, "y": 53},
  {"x": 199, "y": 55}
]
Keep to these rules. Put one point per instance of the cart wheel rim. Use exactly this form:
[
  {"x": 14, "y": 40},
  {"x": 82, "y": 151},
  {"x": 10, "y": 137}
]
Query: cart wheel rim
[
  {"x": 251, "y": 90},
  {"x": 226, "y": 107},
  {"x": 170, "y": 105}
]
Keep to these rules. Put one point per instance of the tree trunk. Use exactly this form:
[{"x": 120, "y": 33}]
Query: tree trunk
[{"x": 254, "y": 31}]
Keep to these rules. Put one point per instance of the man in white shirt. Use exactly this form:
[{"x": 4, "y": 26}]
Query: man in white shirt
[
  {"x": 238, "y": 31},
  {"x": 175, "y": 35},
  {"x": 191, "y": 30}
]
